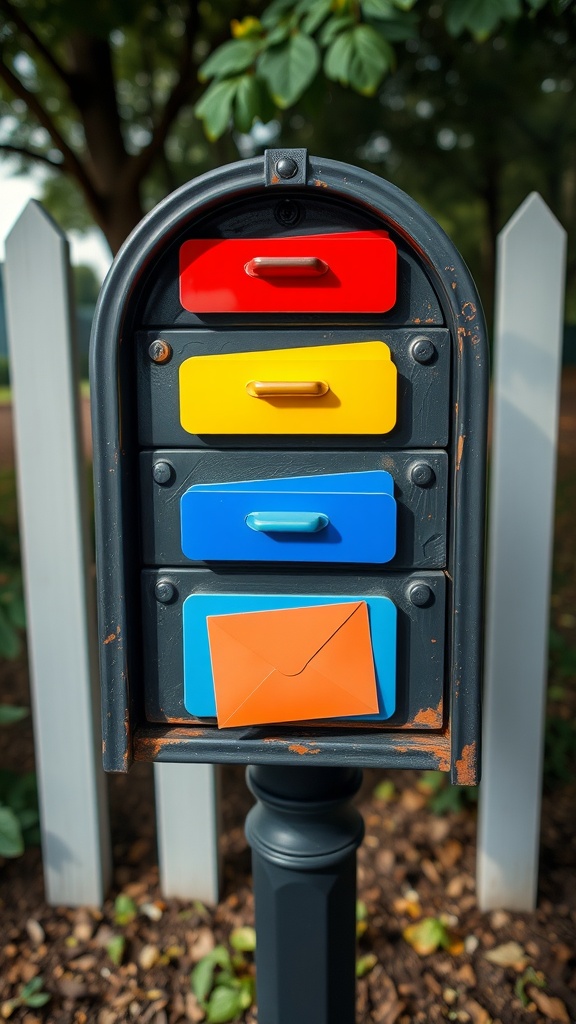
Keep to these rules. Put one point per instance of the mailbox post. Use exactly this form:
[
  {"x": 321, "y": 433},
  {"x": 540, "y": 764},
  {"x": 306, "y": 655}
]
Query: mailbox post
[{"x": 289, "y": 386}]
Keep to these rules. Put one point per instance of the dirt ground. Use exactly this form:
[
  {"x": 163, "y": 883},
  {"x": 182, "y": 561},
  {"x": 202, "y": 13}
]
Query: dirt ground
[{"x": 415, "y": 863}]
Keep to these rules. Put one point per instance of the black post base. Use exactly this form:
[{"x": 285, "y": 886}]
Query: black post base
[{"x": 304, "y": 833}]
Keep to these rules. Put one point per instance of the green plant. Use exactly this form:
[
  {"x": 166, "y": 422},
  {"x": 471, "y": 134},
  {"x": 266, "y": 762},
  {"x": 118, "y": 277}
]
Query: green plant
[
  {"x": 444, "y": 798},
  {"x": 30, "y": 995},
  {"x": 18, "y": 800},
  {"x": 223, "y": 982}
]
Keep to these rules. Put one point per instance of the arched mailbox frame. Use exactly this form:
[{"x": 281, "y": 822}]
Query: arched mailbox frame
[{"x": 127, "y": 735}]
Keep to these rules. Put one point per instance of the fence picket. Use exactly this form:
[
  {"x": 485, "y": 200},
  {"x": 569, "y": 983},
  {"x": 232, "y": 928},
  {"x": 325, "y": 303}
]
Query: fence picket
[{"x": 528, "y": 348}]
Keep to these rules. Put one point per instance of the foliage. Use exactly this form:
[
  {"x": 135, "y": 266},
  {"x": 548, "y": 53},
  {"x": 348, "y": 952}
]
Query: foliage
[
  {"x": 125, "y": 910},
  {"x": 223, "y": 982},
  {"x": 529, "y": 977},
  {"x": 30, "y": 995},
  {"x": 443, "y": 798},
  {"x": 12, "y": 611},
  {"x": 427, "y": 936},
  {"x": 274, "y": 59},
  {"x": 18, "y": 800}
]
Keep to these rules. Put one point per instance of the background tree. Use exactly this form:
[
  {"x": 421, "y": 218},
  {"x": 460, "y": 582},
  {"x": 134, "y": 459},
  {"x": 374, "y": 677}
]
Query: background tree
[{"x": 466, "y": 104}]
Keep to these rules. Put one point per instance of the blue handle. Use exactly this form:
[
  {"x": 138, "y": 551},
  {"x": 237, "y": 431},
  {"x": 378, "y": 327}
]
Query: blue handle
[{"x": 287, "y": 522}]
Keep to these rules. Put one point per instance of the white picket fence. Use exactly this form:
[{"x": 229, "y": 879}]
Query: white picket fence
[{"x": 61, "y": 621}]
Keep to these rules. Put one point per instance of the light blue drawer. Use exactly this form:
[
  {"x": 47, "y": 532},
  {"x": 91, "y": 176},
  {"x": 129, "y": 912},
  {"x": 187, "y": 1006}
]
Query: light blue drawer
[
  {"x": 199, "y": 678},
  {"x": 337, "y": 517}
]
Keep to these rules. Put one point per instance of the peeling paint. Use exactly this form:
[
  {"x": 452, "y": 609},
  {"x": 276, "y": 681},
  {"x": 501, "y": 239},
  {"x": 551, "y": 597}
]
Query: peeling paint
[
  {"x": 461, "y": 336},
  {"x": 437, "y": 746},
  {"x": 109, "y": 638},
  {"x": 466, "y": 766},
  {"x": 471, "y": 308},
  {"x": 274, "y": 180},
  {"x": 460, "y": 451},
  {"x": 299, "y": 748},
  {"x": 320, "y": 184},
  {"x": 432, "y": 717}
]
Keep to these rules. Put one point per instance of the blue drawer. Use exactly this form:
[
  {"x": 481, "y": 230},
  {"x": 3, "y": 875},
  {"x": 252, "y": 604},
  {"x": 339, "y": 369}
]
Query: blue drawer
[
  {"x": 199, "y": 688},
  {"x": 337, "y": 517}
]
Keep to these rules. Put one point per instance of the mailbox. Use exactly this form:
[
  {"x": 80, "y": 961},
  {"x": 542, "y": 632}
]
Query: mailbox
[{"x": 289, "y": 390}]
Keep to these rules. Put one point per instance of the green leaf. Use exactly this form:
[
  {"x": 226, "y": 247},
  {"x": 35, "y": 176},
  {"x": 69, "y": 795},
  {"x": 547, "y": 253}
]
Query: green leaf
[
  {"x": 16, "y": 609},
  {"x": 361, "y": 911},
  {"x": 243, "y": 939},
  {"x": 215, "y": 107},
  {"x": 334, "y": 27},
  {"x": 9, "y": 714},
  {"x": 224, "y": 1005},
  {"x": 115, "y": 949},
  {"x": 530, "y": 977},
  {"x": 247, "y": 103},
  {"x": 276, "y": 11},
  {"x": 427, "y": 936},
  {"x": 289, "y": 69},
  {"x": 364, "y": 964},
  {"x": 317, "y": 13},
  {"x": 372, "y": 58},
  {"x": 385, "y": 791},
  {"x": 125, "y": 909},
  {"x": 378, "y": 9},
  {"x": 230, "y": 58},
  {"x": 404, "y": 5},
  {"x": 247, "y": 992},
  {"x": 32, "y": 986},
  {"x": 220, "y": 956},
  {"x": 11, "y": 841},
  {"x": 38, "y": 1000},
  {"x": 202, "y": 978},
  {"x": 338, "y": 58},
  {"x": 480, "y": 17}
]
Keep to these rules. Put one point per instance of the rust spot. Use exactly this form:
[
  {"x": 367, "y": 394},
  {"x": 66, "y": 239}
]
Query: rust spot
[
  {"x": 103, "y": 746},
  {"x": 461, "y": 336},
  {"x": 320, "y": 184},
  {"x": 429, "y": 320},
  {"x": 299, "y": 748},
  {"x": 417, "y": 320},
  {"x": 459, "y": 451},
  {"x": 275, "y": 739},
  {"x": 432, "y": 717},
  {"x": 466, "y": 766},
  {"x": 454, "y": 285},
  {"x": 436, "y": 745},
  {"x": 110, "y": 638},
  {"x": 475, "y": 339},
  {"x": 274, "y": 179},
  {"x": 456, "y": 407},
  {"x": 469, "y": 310}
]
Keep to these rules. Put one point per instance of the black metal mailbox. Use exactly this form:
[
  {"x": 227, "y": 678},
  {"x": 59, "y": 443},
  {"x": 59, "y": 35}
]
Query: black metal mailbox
[{"x": 289, "y": 390}]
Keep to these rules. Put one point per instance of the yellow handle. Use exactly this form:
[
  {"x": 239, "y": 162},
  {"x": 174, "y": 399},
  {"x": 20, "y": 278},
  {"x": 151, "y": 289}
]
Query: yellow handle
[
  {"x": 287, "y": 388},
  {"x": 286, "y": 266}
]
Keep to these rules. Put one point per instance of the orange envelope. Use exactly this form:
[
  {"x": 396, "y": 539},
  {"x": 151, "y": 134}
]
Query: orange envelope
[{"x": 292, "y": 664}]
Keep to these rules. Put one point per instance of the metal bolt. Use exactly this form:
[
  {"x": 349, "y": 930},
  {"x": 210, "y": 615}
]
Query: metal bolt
[
  {"x": 286, "y": 167},
  {"x": 420, "y": 594},
  {"x": 164, "y": 591},
  {"x": 162, "y": 472},
  {"x": 422, "y": 350},
  {"x": 422, "y": 474},
  {"x": 160, "y": 351}
]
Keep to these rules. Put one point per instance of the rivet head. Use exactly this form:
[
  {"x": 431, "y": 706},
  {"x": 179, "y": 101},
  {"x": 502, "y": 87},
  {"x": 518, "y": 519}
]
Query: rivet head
[
  {"x": 164, "y": 591},
  {"x": 422, "y": 474},
  {"x": 423, "y": 350},
  {"x": 286, "y": 167},
  {"x": 162, "y": 472},
  {"x": 160, "y": 351},
  {"x": 420, "y": 594}
]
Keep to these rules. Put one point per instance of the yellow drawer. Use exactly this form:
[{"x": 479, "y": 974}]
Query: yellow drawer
[{"x": 329, "y": 389}]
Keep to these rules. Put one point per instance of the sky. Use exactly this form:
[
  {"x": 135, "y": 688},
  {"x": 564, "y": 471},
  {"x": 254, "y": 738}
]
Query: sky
[{"x": 16, "y": 191}]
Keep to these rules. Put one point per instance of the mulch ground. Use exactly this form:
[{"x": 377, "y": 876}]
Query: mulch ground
[{"x": 414, "y": 864}]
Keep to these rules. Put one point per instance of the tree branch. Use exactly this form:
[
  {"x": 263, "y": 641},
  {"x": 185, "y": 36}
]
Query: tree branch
[
  {"x": 30, "y": 154},
  {"x": 70, "y": 161},
  {"x": 14, "y": 15},
  {"x": 142, "y": 161}
]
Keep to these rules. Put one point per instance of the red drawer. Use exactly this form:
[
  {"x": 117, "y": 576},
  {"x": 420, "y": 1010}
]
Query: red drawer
[{"x": 349, "y": 272}]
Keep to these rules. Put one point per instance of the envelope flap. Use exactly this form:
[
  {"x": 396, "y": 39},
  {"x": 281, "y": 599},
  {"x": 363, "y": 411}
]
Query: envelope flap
[{"x": 288, "y": 638}]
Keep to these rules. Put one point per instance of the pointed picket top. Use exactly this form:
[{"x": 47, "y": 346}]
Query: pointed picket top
[{"x": 534, "y": 212}]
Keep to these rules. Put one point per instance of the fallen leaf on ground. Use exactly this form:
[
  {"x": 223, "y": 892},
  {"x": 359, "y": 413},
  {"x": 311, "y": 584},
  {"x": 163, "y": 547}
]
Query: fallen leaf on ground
[
  {"x": 550, "y": 1006},
  {"x": 509, "y": 954},
  {"x": 427, "y": 936}
]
